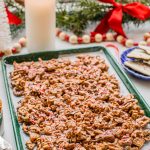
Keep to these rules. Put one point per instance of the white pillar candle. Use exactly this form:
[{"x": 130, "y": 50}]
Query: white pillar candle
[{"x": 40, "y": 24}]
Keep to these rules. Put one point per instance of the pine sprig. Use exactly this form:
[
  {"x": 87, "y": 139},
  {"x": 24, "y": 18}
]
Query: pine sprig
[{"x": 83, "y": 12}]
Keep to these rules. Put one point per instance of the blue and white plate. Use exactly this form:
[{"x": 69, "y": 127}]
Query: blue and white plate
[{"x": 124, "y": 58}]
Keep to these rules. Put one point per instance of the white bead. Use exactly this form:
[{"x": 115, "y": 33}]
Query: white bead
[
  {"x": 23, "y": 42},
  {"x": 73, "y": 39},
  {"x": 147, "y": 35},
  {"x": 148, "y": 41},
  {"x": 17, "y": 46},
  {"x": 142, "y": 43},
  {"x": 119, "y": 38},
  {"x": 62, "y": 35},
  {"x": 109, "y": 37},
  {"x": 129, "y": 43},
  {"x": 86, "y": 39},
  {"x": 98, "y": 38}
]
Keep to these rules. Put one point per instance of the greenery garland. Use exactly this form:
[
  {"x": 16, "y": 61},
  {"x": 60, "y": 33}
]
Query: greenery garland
[
  {"x": 76, "y": 15},
  {"x": 76, "y": 20}
]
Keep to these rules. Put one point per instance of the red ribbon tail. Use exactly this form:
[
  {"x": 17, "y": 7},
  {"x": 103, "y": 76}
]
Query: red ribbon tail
[
  {"x": 112, "y": 20},
  {"x": 115, "y": 21},
  {"x": 13, "y": 20},
  {"x": 103, "y": 26}
]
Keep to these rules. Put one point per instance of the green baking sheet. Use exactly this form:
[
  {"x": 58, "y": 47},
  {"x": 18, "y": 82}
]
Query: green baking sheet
[{"x": 7, "y": 66}]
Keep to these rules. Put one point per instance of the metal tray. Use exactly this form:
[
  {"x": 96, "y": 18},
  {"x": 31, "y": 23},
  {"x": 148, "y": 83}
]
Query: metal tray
[{"x": 7, "y": 66}]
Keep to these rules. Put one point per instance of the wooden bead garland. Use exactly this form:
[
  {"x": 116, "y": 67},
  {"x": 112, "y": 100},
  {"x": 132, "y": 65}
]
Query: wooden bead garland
[
  {"x": 85, "y": 39},
  {"x": 16, "y": 48}
]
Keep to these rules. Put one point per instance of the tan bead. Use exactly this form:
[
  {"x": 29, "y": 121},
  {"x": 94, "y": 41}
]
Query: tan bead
[
  {"x": 142, "y": 43},
  {"x": 7, "y": 52},
  {"x": 62, "y": 35},
  {"x": 119, "y": 38},
  {"x": 148, "y": 41},
  {"x": 57, "y": 30},
  {"x": 109, "y": 37},
  {"x": 129, "y": 43},
  {"x": 86, "y": 39},
  {"x": 147, "y": 35},
  {"x": 73, "y": 39},
  {"x": 17, "y": 46},
  {"x": 98, "y": 38},
  {"x": 23, "y": 42}
]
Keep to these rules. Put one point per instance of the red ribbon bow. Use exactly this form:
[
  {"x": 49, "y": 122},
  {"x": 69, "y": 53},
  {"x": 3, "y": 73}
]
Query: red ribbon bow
[
  {"x": 13, "y": 20},
  {"x": 113, "y": 19}
]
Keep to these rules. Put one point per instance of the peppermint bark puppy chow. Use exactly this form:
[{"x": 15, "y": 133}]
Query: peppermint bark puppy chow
[{"x": 67, "y": 105}]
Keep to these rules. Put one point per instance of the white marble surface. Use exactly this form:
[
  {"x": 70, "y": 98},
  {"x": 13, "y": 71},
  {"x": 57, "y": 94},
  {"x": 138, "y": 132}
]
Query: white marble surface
[{"x": 142, "y": 86}]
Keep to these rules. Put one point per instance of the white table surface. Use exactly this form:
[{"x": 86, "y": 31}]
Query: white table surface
[{"x": 142, "y": 86}]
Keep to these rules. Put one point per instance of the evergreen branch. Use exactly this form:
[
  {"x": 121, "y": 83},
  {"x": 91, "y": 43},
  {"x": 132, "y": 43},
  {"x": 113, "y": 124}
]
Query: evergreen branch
[{"x": 76, "y": 15}]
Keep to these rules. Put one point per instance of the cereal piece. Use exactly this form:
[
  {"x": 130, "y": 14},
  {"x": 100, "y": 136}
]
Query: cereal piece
[
  {"x": 0, "y": 105},
  {"x": 101, "y": 146},
  {"x": 126, "y": 141},
  {"x": 139, "y": 142},
  {"x": 143, "y": 121},
  {"x": 146, "y": 134},
  {"x": 33, "y": 137},
  {"x": 30, "y": 145}
]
